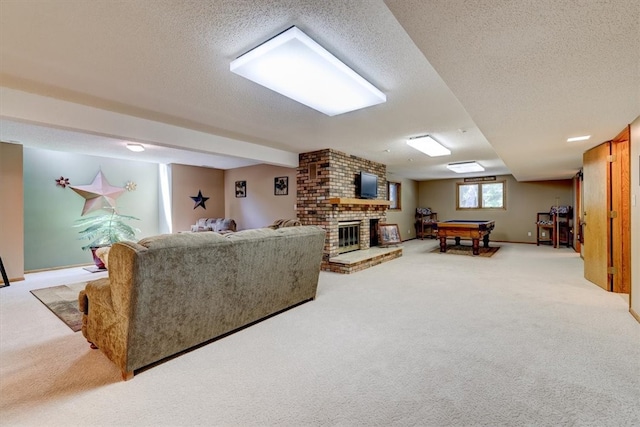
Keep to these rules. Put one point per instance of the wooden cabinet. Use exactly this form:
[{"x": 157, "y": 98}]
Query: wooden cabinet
[
  {"x": 555, "y": 227},
  {"x": 425, "y": 223}
]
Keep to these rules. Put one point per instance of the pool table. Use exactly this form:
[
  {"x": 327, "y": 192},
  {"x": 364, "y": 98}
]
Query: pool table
[{"x": 465, "y": 229}]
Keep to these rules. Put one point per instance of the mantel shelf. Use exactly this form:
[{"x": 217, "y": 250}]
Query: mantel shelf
[{"x": 348, "y": 201}]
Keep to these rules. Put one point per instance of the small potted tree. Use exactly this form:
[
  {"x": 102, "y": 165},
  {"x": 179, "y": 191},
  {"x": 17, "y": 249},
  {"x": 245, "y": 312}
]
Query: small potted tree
[{"x": 104, "y": 230}]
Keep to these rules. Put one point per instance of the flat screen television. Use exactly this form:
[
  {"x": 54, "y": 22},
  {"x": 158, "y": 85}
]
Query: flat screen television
[{"x": 368, "y": 185}]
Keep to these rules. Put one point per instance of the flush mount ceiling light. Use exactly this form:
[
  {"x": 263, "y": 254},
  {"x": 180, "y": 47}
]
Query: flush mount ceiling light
[
  {"x": 135, "y": 147},
  {"x": 464, "y": 167},
  {"x": 428, "y": 146},
  {"x": 297, "y": 67},
  {"x": 578, "y": 138}
]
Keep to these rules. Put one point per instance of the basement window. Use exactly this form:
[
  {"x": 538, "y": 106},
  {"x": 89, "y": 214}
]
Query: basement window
[
  {"x": 481, "y": 196},
  {"x": 393, "y": 190}
]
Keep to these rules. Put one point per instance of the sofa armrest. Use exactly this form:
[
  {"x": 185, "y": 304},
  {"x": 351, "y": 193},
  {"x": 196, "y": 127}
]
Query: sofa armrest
[
  {"x": 98, "y": 292},
  {"x": 103, "y": 325},
  {"x": 83, "y": 302}
]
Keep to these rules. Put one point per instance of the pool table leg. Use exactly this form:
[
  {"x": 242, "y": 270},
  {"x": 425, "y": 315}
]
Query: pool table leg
[
  {"x": 485, "y": 240},
  {"x": 476, "y": 246},
  {"x": 443, "y": 244}
]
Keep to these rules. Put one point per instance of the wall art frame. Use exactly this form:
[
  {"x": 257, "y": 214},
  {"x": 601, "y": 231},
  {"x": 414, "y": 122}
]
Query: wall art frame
[
  {"x": 389, "y": 234},
  {"x": 281, "y": 186},
  {"x": 241, "y": 188}
]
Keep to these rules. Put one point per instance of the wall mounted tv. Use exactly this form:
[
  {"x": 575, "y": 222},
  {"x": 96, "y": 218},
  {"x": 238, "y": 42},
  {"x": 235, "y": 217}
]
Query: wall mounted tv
[{"x": 368, "y": 188}]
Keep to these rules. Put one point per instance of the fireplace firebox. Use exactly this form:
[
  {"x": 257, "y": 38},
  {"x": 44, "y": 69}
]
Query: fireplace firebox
[{"x": 348, "y": 236}]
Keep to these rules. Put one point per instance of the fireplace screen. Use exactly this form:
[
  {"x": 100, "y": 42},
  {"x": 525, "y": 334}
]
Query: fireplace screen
[{"x": 348, "y": 236}]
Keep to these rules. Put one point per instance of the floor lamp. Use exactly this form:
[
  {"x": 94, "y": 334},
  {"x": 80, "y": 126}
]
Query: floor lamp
[{"x": 5, "y": 279}]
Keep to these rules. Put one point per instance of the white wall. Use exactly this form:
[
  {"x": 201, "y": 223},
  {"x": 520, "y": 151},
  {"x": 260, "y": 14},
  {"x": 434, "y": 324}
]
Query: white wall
[{"x": 405, "y": 217}]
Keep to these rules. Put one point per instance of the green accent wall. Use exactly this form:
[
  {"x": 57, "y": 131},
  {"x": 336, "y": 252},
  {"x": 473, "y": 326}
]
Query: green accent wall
[{"x": 50, "y": 240}]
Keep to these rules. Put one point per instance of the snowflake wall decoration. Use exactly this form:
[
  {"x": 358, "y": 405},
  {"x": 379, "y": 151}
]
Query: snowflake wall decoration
[
  {"x": 131, "y": 186},
  {"x": 62, "y": 182}
]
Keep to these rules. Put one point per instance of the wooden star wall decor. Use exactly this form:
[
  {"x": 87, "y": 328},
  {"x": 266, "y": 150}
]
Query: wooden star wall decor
[
  {"x": 199, "y": 199},
  {"x": 97, "y": 193}
]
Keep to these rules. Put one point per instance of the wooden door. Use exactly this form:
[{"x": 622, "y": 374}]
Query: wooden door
[
  {"x": 577, "y": 213},
  {"x": 596, "y": 203},
  {"x": 621, "y": 207}
]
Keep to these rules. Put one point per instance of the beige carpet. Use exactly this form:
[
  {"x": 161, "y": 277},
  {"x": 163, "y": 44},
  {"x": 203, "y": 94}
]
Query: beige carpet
[
  {"x": 519, "y": 339},
  {"x": 62, "y": 300},
  {"x": 467, "y": 250}
]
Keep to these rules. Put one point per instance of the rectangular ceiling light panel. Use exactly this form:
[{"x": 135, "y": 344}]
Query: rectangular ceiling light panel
[
  {"x": 428, "y": 146},
  {"x": 465, "y": 167},
  {"x": 578, "y": 138},
  {"x": 137, "y": 148},
  {"x": 297, "y": 67}
]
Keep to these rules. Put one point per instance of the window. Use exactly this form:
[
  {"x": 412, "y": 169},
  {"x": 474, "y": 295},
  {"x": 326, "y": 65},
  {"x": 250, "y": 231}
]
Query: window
[
  {"x": 481, "y": 196},
  {"x": 393, "y": 190}
]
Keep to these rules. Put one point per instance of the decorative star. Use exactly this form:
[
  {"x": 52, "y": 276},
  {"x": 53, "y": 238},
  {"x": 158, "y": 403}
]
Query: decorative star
[
  {"x": 199, "y": 199},
  {"x": 62, "y": 181},
  {"x": 97, "y": 192}
]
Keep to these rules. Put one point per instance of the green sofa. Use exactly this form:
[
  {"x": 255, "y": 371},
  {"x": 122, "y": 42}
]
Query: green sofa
[{"x": 168, "y": 293}]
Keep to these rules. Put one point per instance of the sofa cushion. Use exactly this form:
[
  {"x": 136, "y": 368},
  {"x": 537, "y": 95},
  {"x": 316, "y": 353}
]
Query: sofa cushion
[
  {"x": 279, "y": 223},
  {"x": 214, "y": 224},
  {"x": 225, "y": 224},
  {"x": 180, "y": 240},
  {"x": 211, "y": 222}
]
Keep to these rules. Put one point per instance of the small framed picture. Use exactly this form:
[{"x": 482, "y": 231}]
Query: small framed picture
[
  {"x": 241, "y": 188},
  {"x": 281, "y": 186},
  {"x": 389, "y": 234}
]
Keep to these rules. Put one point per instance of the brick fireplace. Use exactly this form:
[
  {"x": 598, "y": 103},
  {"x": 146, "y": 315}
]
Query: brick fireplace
[{"x": 326, "y": 181}]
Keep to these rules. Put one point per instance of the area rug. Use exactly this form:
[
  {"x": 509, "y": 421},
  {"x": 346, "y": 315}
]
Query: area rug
[
  {"x": 468, "y": 250},
  {"x": 63, "y": 302}
]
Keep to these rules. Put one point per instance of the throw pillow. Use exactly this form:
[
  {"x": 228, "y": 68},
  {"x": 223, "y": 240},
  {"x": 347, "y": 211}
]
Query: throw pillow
[{"x": 103, "y": 254}]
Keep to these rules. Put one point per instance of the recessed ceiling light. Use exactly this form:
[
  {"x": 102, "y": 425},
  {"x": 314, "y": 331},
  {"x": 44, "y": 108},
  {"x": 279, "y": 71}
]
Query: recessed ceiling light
[
  {"x": 135, "y": 147},
  {"x": 428, "y": 146},
  {"x": 465, "y": 167},
  {"x": 578, "y": 138},
  {"x": 295, "y": 66}
]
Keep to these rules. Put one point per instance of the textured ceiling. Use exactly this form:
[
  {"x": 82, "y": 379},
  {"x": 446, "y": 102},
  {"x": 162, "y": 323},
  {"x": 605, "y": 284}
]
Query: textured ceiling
[
  {"x": 532, "y": 74},
  {"x": 513, "y": 80}
]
